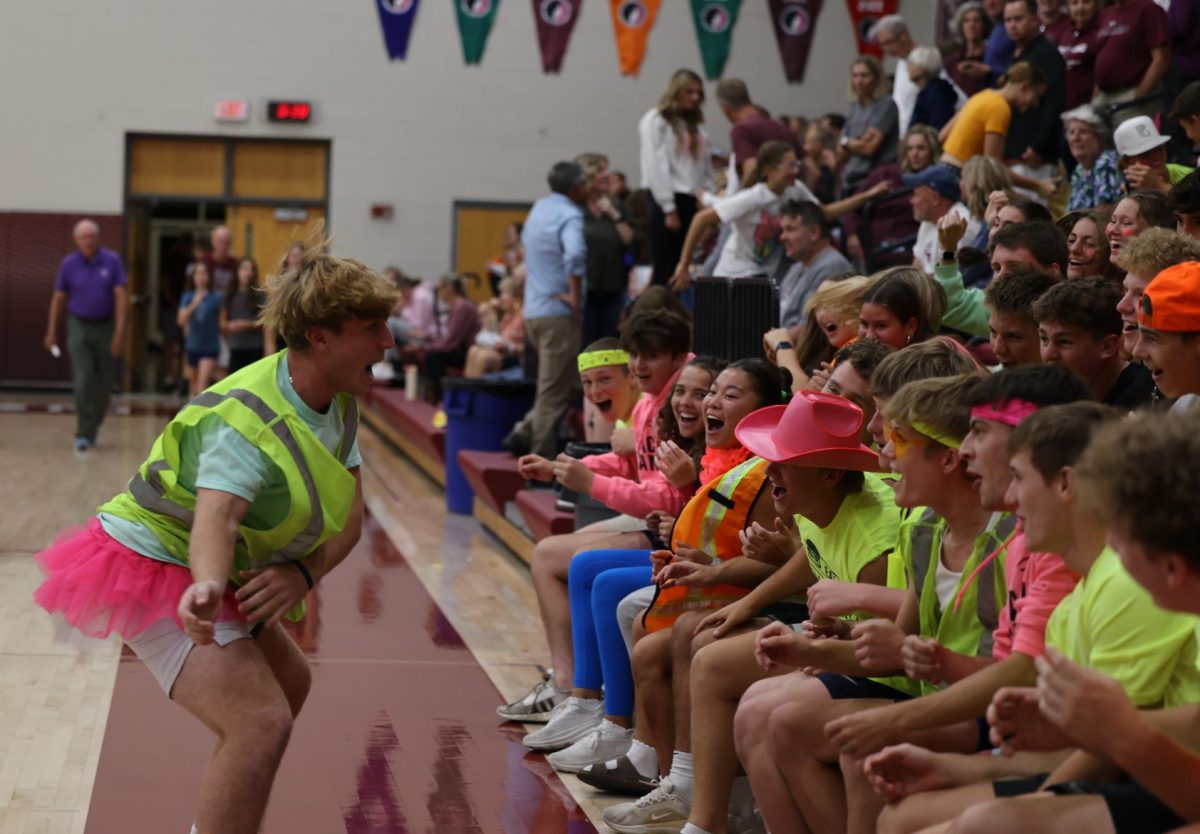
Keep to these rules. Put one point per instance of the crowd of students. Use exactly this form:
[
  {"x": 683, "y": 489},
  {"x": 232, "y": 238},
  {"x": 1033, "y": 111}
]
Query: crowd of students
[{"x": 923, "y": 566}]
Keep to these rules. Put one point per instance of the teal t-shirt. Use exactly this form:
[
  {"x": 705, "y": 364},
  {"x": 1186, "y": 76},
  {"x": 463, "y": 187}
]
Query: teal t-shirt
[{"x": 213, "y": 455}]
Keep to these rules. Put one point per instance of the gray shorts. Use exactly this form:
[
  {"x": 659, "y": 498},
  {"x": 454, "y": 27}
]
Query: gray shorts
[{"x": 164, "y": 646}]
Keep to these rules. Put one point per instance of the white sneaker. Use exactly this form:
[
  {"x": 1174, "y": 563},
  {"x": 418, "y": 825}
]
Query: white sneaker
[
  {"x": 662, "y": 811},
  {"x": 571, "y": 720},
  {"x": 608, "y": 741}
]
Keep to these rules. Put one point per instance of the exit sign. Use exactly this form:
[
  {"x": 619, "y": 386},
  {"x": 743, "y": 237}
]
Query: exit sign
[
  {"x": 289, "y": 111},
  {"x": 232, "y": 110}
]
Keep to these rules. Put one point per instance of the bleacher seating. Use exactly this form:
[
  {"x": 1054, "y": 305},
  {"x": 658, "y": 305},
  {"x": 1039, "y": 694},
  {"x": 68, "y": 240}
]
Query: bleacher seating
[
  {"x": 409, "y": 425},
  {"x": 538, "y": 508}
]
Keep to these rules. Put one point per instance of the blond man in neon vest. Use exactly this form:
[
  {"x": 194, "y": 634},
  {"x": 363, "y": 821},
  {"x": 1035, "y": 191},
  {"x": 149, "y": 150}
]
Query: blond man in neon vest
[{"x": 250, "y": 495}]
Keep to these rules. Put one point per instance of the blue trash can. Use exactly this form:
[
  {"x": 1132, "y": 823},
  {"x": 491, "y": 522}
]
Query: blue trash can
[{"x": 479, "y": 413}]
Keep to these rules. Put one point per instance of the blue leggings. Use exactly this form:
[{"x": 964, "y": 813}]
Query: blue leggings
[{"x": 597, "y": 581}]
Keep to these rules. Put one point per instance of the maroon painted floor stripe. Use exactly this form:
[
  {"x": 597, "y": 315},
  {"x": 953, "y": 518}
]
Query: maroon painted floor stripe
[{"x": 398, "y": 735}]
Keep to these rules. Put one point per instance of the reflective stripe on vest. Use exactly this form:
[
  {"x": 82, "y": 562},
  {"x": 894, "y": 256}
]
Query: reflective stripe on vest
[
  {"x": 711, "y": 521},
  {"x": 923, "y": 556},
  {"x": 150, "y": 493}
]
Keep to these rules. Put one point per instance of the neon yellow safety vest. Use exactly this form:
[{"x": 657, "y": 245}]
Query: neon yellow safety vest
[
  {"x": 967, "y": 626},
  {"x": 320, "y": 487}
]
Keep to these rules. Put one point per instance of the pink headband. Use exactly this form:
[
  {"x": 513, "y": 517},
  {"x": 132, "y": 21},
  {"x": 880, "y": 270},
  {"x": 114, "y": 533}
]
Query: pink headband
[{"x": 1010, "y": 413}]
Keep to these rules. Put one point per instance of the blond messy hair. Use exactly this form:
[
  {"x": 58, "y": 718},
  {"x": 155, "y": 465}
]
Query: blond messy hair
[
  {"x": 325, "y": 292},
  {"x": 1156, "y": 249},
  {"x": 938, "y": 404}
]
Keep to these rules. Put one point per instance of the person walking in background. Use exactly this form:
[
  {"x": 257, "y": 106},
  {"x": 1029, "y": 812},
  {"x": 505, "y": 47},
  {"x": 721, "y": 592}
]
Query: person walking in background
[
  {"x": 675, "y": 165},
  {"x": 91, "y": 285},
  {"x": 200, "y": 318},
  {"x": 555, "y": 260},
  {"x": 239, "y": 318}
]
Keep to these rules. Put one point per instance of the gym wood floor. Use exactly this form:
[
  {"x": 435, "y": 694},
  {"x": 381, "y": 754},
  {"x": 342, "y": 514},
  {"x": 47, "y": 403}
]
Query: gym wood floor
[{"x": 413, "y": 641}]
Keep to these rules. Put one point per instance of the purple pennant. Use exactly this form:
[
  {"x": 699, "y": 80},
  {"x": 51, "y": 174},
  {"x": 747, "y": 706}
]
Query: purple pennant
[
  {"x": 794, "y": 22},
  {"x": 396, "y": 17},
  {"x": 555, "y": 22}
]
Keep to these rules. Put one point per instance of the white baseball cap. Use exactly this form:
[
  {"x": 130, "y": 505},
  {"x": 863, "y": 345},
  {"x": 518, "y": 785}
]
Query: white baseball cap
[{"x": 1137, "y": 135}]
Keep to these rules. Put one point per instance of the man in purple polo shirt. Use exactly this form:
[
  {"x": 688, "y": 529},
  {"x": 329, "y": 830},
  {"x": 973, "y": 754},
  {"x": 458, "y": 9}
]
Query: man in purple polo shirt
[{"x": 91, "y": 284}]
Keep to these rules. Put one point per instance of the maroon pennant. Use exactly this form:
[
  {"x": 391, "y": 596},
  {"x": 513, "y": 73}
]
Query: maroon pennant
[
  {"x": 555, "y": 22},
  {"x": 794, "y": 22}
]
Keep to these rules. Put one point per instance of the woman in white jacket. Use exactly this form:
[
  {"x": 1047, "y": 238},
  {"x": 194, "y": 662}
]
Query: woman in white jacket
[{"x": 675, "y": 166}]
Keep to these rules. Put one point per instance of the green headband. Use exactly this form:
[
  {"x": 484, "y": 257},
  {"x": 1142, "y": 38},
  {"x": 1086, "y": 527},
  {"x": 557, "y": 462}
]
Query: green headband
[
  {"x": 602, "y": 358},
  {"x": 933, "y": 434}
]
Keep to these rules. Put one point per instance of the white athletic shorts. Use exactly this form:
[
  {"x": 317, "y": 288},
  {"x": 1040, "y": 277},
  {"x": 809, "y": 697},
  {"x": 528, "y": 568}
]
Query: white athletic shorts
[{"x": 164, "y": 646}]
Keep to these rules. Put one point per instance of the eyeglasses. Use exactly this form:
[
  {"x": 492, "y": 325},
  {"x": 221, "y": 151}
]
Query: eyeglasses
[{"x": 902, "y": 444}]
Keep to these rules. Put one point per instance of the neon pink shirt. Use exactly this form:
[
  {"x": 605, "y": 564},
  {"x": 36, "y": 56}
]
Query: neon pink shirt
[
  {"x": 632, "y": 484},
  {"x": 1036, "y": 584}
]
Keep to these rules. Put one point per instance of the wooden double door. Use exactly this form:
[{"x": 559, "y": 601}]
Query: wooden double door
[{"x": 268, "y": 192}]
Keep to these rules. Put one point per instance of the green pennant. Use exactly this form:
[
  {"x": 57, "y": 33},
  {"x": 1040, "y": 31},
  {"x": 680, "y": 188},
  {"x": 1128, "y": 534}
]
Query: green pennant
[
  {"x": 474, "y": 23},
  {"x": 714, "y": 21}
]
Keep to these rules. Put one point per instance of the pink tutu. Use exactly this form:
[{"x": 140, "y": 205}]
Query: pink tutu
[{"x": 100, "y": 586}]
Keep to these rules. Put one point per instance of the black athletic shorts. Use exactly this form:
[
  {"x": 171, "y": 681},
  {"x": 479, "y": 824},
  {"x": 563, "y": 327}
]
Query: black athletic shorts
[
  {"x": 844, "y": 687},
  {"x": 789, "y": 613},
  {"x": 1134, "y": 810}
]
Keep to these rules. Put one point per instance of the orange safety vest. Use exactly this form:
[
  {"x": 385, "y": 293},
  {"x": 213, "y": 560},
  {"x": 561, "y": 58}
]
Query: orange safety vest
[{"x": 711, "y": 521}]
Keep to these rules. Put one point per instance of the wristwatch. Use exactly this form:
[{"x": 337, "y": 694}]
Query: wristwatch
[
  {"x": 949, "y": 255},
  {"x": 784, "y": 346}
]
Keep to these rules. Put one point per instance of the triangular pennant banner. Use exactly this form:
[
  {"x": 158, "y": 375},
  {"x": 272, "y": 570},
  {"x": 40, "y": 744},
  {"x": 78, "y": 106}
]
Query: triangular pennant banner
[
  {"x": 474, "y": 23},
  {"x": 555, "y": 22},
  {"x": 396, "y": 17},
  {"x": 632, "y": 22},
  {"x": 864, "y": 14},
  {"x": 714, "y": 21},
  {"x": 794, "y": 21}
]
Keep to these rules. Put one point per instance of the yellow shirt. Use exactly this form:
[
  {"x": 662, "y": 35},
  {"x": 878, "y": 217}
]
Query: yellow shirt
[
  {"x": 985, "y": 112},
  {"x": 1109, "y": 623}
]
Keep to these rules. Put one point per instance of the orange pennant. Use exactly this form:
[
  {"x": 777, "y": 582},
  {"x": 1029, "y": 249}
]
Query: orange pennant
[{"x": 632, "y": 22}]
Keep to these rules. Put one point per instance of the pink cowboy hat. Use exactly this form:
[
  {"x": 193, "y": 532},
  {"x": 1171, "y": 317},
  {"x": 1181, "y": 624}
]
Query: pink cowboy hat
[{"x": 814, "y": 429}]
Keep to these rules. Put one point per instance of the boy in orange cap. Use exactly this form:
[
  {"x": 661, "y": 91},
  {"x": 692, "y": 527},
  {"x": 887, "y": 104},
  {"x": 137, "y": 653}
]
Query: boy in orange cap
[{"x": 1169, "y": 332}]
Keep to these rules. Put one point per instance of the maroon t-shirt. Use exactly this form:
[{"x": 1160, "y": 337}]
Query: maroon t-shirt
[
  {"x": 751, "y": 133},
  {"x": 1056, "y": 29},
  {"x": 223, "y": 271},
  {"x": 1123, "y": 45},
  {"x": 1078, "y": 48}
]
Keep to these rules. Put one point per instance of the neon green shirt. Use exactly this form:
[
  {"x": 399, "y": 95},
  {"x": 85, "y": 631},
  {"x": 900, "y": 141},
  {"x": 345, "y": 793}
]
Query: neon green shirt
[
  {"x": 1109, "y": 623},
  {"x": 865, "y": 527}
]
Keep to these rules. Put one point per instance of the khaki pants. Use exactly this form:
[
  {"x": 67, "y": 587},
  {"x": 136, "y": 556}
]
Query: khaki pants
[
  {"x": 1102, "y": 100},
  {"x": 92, "y": 369},
  {"x": 556, "y": 341}
]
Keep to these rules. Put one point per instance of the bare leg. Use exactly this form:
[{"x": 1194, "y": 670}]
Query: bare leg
[
  {"x": 652, "y": 687},
  {"x": 752, "y": 735},
  {"x": 721, "y": 673},
  {"x": 682, "y": 635},
  {"x": 807, "y": 759},
  {"x": 235, "y": 693},
  {"x": 288, "y": 665},
  {"x": 1036, "y": 812},
  {"x": 862, "y": 803},
  {"x": 923, "y": 810},
  {"x": 551, "y": 559},
  {"x": 205, "y": 373}
]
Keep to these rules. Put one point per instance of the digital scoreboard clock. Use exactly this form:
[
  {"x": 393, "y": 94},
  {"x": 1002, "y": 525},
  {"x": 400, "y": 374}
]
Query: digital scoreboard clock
[{"x": 295, "y": 112}]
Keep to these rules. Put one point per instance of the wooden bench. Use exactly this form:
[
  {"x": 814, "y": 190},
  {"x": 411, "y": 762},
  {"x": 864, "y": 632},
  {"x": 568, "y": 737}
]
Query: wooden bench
[
  {"x": 542, "y": 517},
  {"x": 409, "y": 425},
  {"x": 493, "y": 476}
]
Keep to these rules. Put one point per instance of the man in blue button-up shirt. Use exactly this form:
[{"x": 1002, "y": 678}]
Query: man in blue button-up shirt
[
  {"x": 91, "y": 285},
  {"x": 554, "y": 264}
]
